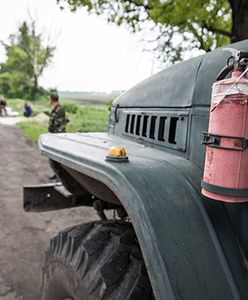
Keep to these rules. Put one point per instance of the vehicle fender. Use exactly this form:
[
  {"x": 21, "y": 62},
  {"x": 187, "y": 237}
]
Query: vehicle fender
[
  {"x": 182, "y": 234},
  {"x": 186, "y": 240}
]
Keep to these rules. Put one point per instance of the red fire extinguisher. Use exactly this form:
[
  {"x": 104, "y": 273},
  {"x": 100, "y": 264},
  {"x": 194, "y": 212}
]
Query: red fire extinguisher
[{"x": 226, "y": 164}]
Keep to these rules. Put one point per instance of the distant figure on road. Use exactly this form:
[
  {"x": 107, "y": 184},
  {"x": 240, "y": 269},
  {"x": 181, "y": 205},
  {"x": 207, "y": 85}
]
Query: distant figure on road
[
  {"x": 58, "y": 120},
  {"x": 27, "y": 110},
  {"x": 5, "y": 110},
  {"x": 3, "y": 104}
]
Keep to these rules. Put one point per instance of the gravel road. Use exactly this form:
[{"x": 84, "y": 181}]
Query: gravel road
[{"x": 25, "y": 236}]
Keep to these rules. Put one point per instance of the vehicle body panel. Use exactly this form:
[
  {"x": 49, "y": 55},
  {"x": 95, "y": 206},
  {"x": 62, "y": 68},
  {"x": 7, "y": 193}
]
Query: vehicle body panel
[
  {"x": 161, "y": 194},
  {"x": 182, "y": 85},
  {"x": 189, "y": 243}
]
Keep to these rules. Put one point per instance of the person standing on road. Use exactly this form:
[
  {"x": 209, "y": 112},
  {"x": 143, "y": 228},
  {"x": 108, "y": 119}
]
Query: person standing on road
[
  {"x": 3, "y": 104},
  {"x": 58, "y": 120},
  {"x": 57, "y": 123}
]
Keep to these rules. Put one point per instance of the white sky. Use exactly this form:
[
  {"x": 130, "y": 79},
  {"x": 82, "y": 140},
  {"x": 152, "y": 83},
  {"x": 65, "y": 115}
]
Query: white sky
[{"x": 91, "y": 55}]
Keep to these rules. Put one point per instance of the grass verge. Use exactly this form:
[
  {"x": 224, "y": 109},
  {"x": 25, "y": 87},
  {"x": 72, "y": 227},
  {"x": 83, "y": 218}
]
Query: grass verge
[
  {"x": 32, "y": 129},
  {"x": 82, "y": 118}
]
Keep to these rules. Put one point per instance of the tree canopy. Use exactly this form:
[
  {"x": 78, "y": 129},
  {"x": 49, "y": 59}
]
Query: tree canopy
[
  {"x": 26, "y": 59},
  {"x": 177, "y": 25}
]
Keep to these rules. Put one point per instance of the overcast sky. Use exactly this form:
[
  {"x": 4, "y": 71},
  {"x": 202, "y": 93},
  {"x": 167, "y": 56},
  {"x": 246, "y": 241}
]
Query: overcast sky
[{"x": 91, "y": 55}]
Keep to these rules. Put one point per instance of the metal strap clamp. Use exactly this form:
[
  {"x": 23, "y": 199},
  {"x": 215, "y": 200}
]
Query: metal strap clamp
[{"x": 214, "y": 140}]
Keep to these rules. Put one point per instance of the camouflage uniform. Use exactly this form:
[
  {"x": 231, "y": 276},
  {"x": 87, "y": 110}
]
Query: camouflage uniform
[{"x": 57, "y": 120}]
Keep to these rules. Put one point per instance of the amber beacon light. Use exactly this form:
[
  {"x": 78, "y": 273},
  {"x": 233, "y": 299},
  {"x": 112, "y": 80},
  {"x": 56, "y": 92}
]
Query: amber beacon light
[{"x": 117, "y": 153}]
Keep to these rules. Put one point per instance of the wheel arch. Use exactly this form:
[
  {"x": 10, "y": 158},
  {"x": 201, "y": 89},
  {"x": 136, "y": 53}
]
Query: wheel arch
[{"x": 182, "y": 249}]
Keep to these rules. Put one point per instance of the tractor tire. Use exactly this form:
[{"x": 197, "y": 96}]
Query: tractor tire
[{"x": 94, "y": 261}]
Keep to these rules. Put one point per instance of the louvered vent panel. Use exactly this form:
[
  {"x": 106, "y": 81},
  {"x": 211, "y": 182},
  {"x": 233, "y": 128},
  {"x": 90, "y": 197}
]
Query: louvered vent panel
[{"x": 166, "y": 130}]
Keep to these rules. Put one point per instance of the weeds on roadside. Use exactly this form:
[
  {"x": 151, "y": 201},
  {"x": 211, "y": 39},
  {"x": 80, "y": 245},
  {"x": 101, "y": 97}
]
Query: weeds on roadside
[{"x": 82, "y": 118}]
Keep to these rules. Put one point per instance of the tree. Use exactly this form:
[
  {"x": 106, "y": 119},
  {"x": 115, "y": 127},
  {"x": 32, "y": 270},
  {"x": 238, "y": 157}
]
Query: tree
[
  {"x": 26, "y": 60},
  {"x": 177, "y": 25},
  {"x": 239, "y": 19}
]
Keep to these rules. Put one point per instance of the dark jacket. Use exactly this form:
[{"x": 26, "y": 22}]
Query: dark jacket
[{"x": 27, "y": 110}]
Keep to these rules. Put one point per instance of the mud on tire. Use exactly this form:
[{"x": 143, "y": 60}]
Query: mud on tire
[{"x": 97, "y": 260}]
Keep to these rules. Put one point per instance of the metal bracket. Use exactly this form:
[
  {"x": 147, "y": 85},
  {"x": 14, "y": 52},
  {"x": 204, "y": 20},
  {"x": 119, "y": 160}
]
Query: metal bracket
[
  {"x": 51, "y": 196},
  {"x": 214, "y": 140},
  {"x": 231, "y": 192},
  {"x": 116, "y": 116}
]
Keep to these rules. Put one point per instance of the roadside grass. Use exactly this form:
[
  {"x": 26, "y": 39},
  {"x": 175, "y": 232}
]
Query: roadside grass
[
  {"x": 38, "y": 106},
  {"x": 92, "y": 118},
  {"x": 88, "y": 119},
  {"x": 32, "y": 129}
]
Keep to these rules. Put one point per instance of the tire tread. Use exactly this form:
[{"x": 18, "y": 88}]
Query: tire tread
[{"x": 104, "y": 257}]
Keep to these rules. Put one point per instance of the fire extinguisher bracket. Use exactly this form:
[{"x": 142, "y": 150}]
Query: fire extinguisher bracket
[
  {"x": 235, "y": 143},
  {"x": 225, "y": 176},
  {"x": 230, "y": 192}
]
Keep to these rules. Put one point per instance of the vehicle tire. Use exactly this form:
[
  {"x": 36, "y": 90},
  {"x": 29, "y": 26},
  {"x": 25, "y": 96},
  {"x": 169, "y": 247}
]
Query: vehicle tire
[{"x": 93, "y": 261}]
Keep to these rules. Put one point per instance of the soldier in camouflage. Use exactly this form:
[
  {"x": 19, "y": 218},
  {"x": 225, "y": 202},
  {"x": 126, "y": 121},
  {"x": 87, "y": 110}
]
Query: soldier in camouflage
[
  {"x": 58, "y": 120},
  {"x": 57, "y": 123}
]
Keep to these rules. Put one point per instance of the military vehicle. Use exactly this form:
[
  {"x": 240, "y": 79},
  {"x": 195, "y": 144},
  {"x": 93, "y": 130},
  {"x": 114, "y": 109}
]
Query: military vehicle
[{"x": 166, "y": 240}]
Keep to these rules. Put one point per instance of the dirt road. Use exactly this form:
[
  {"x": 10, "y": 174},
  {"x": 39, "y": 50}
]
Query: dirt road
[{"x": 25, "y": 236}]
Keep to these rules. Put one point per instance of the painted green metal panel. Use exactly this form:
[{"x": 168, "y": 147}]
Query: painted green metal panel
[
  {"x": 183, "y": 251},
  {"x": 188, "y": 241},
  {"x": 182, "y": 85}
]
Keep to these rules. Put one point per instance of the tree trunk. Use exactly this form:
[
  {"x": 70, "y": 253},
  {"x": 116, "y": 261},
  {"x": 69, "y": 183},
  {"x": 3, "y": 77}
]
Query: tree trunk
[
  {"x": 36, "y": 87},
  {"x": 240, "y": 20}
]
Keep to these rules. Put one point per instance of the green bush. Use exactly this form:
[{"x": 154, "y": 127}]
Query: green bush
[
  {"x": 16, "y": 105},
  {"x": 70, "y": 107},
  {"x": 89, "y": 119}
]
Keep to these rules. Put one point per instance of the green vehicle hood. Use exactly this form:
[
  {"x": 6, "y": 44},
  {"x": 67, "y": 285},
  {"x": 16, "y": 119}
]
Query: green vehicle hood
[{"x": 183, "y": 85}]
